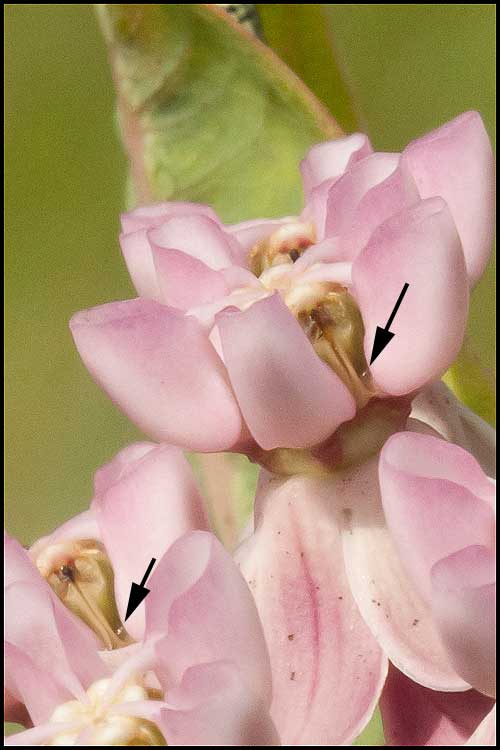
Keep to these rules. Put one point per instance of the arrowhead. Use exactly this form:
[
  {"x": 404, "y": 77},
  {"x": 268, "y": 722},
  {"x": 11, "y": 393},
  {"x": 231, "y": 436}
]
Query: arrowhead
[
  {"x": 382, "y": 338},
  {"x": 137, "y": 596}
]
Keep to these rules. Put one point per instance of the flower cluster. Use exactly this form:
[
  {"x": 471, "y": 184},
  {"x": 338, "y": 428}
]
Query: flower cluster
[{"x": 366, "y": 575}]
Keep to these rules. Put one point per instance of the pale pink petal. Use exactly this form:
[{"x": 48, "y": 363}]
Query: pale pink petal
[
  {"x": 199, "y": 236},
  {"x": 38, "y": 735},
  {"x": 155, "y": 502},
  {"x": 185, "y": 281},
  {"x": 329, "y": 160},
  {"x": 415, "y": 716},
  {"x": 33, "y": 686},
  {"x": 52, "y": 642},
  {"x": 160, "y": 368},
  {"x": 287, "y": 395},
  {"x": 428, "y": 485},
  {"x": 345, "y": 195},
  {"x": 355, "y": 223},
  {"x": 138, "y": 258},
  {"x": 18, "y": 566},
  {"x": 147, "y": 217},
  {"x": 124, "y": 461},
  {"x": 456, "y": 162},
  {"x": 201, "y": 602},
  {"x": 248, "y": 233},
  {"x": 400, "y": 619},
  {"x": 464, "y": 602},
  {"x": 327, "y": 668},
  {"x": 213, "y": 707},
  {"x": 486, "y": 733},
  {"x": 420, "y": 247}
]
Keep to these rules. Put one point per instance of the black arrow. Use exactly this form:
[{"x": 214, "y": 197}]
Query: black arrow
[
  {"x": 383, "y": 335},
  {"x": 138, "y": 592}
]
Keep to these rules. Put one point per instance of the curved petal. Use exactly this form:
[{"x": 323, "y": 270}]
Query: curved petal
[
  {"x": 124, "y": 461},
  {"x": 198, "y": 236},
  {"x": 156, "y": 501},
  {"x": 81, "y": 526},
  {"x": 51, "y": 641},
  {"x": 147, "y": 217},
  {"x": 159, "y": 367},
  {"x": 393, "y": 194},
  {"x": 213, "y": 707},
  {"x": 248, "y": 233},
  {"x": 438, "y": 407},
  {"x": 420, "y": 247},
  {"x": 464, "y": 602},
  {"x": 14, "y": 709},
  {"x": 346, "y": 193},
  {"x": 428, "y": 485},
  {"x": 200, "y": 601},
  {"x": 287, "y": 395},
  {"x": 485, "y": 734},
  {"x": 36, "y": 690},
  {"x": 415, "y": 716},
  {"x": 18, "y": 566},
  {"x": 400, "y": 619},
  {"x": 329, "y": 160},
  {"x": 456, "y": 162},
  {"x": 138, "y": 258},
  {"x": 185, "y": 281},
  {"x": 327, "y": 668}
]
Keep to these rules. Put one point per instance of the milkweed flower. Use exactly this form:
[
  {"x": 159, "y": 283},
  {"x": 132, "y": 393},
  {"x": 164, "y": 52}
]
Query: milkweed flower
[
  {"x": 256, "y": 337},
  {"x": 440, "y": 509},
  {"x": 366, "y": 599},
  {"x": 188, "y": 667}
]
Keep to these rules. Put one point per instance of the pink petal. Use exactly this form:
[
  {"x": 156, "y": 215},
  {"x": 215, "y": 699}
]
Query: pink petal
[
  {"x": 456, "y": 162},
  {"x": 159, "y": 367},
  {"x": 125, "y": 461},
  {"x": 156, "y": 501},
  {"x": 287, "y": 395},
  {"x": 329, "y": 160},
  {"x": 394, "y": 610},
  {"x": 485, "y": 734},
  {"x": 328, "y": 670},
  {"x": 147, "y": 217},
  {"x": 354, "y": 223},
  {"x": 199, "y": 236},
  {"x": 138, "y": 258},
  {"x": 201, "y": 602},
  {"x": 18, "y": 566},
  {"x": 415, "y": 716},
  {"x": 248, "y": 233},
  {"x": 14, "y": 709},
  {"x": 185, "y": 281},
  {"x": 213, "y": 707},
  {"x": 51, "y": 641},
  {"x": 428, "y": 485},
  {"x": 36, "y": 690},
  {"x": 420, "y": 247},
  {"x": 464, "y": 602},
  {"x": 39, "y": 735}
]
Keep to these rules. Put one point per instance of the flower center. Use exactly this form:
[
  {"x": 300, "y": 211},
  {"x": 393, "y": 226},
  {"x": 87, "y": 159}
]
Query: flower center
[
  {"x": 285, "y": 245},
  {"x": 104, "y": 716},
  {"x": 81, "y": 575}
]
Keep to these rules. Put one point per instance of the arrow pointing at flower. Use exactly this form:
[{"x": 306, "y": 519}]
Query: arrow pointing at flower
[
  {"x": 383, "y": 335},
  {"x": 138, "y": 592}
]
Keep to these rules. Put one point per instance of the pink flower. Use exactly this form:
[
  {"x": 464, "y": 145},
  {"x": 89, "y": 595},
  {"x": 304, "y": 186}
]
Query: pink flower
[
  {"x": 439, "y": 507},
  {"x": 190, "y": 644},
  {"x": 256, "y": 336},
  {"x": 336, "y": 597}
]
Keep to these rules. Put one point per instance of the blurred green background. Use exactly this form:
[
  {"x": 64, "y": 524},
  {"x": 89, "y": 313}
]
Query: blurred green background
[{"x": 406, "y": 69}]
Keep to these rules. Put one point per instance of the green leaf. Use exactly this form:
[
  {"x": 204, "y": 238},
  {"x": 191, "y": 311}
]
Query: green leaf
[{"x": 207, "y": 112}]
